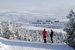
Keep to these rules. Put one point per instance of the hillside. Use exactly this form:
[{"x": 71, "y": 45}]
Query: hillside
[{"x": 25, "y": 45}]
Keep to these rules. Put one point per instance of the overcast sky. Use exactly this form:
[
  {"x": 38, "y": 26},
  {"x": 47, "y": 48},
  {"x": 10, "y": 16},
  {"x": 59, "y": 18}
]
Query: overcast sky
[{"x": 56, "y": 7}]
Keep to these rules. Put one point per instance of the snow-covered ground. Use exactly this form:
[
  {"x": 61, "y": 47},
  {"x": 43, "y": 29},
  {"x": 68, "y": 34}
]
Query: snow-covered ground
[
  {"x": 6, "y": 44},
  {"x": 49, "y": 21}
]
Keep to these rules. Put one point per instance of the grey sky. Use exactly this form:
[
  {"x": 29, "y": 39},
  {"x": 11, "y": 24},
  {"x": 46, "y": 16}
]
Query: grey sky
[{"x": 57, "y": 7}]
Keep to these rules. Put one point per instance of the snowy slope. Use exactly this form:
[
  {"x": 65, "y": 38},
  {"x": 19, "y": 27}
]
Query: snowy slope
[{"x": 24, "y": 45}]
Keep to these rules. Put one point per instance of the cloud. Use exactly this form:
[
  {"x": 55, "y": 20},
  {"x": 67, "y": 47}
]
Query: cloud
[{"x": 39, "y": 6}]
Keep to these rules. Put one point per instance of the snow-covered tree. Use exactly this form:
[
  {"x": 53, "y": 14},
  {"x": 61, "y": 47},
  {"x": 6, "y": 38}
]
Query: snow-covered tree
[{"x": 70, "y": 29}]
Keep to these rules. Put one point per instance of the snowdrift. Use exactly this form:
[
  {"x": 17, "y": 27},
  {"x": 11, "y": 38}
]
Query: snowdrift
[{"x": 6, "y": 44}]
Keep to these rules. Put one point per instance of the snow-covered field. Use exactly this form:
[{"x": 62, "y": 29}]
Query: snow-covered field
[{"x": 6, "y": 44}]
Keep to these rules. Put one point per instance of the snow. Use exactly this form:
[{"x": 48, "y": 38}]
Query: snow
[
  {"x": 32, "y": 18},
  {"x": 6, "y": 44},
  {"x": 41, "y": 28}
]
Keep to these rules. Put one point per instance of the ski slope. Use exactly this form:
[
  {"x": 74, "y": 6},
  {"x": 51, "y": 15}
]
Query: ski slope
[{"x": 6, "y": 44}]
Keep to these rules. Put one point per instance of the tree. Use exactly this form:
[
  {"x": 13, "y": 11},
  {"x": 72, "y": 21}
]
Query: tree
[{"x": 70, "y": 29}]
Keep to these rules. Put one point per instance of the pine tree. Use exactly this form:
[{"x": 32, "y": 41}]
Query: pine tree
[{"x": 70, "y": 29}]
